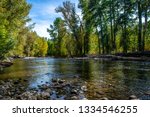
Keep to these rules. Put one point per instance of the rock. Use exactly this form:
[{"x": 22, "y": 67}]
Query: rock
[
  {"x": 45, "y": 95},
  {"x": 48, "y": 90},
  {"x": 84, "y": 99},
  {"x": 44, "y": 87},
  {"x": 2, "y": 82},
  {"x": 54, "y": 80},
  {"x": 74, "y": 92},
  {"x": 28, "y": 96},
  {"x": 74, "y": 98},
  {"x": 75, "y": 76},
  {"x": 61, "y": 81},
  {"x": 25, "y": 80},
  {"x": 84, "y": 88},
  {"x": 133, "y": 97},
  {"x": 1, "y": 97},
  {"x": 104, "y": 98},
  {"x": 100, "y": 93},
  {"x": 147, "y": 93},
  {"x": 6, "y": 64},
  {"x": 16, "y": 82}
]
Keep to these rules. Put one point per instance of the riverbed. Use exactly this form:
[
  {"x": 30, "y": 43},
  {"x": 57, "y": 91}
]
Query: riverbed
[{"x": 103, "y": 78}]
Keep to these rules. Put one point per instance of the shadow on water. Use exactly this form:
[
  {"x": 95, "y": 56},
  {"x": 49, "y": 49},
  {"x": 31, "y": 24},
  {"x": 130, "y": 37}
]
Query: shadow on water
[{"x": 103, "y": 78}]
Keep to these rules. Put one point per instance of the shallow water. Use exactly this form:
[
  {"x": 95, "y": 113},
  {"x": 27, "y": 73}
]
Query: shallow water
[{"x": 103, "y": 78}]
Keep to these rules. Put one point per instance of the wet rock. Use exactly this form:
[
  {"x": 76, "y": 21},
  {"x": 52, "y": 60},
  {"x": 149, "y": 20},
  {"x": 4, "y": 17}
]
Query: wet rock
[
  {"x": 2, "y": 82},
  {"x": 74, "y": 92},
  {"x": 45, "y": 95},
  {"x": 104, "y": 98},
  {"x": 133, "y": 97},
  {"x": 61, "y": 81},
  {"x": 54, "y": 80},
  {"x": 84, "y": 88},
  {"x": 25, "y": 80},
  {"x": 6, "y": 64},
  {"x": 44, "y": 87},
  {"x": 16, "y": 82},
  {"x": 75, "y": 76},
  {"x": 1, "y": 96},
  {"x": 74, "y": 98},
  {"x": 48, "y": 90},
  {"x": 147, "y": 93},
  {"x": 28, "y": 96},
  {"x": 84, "y": 99}
]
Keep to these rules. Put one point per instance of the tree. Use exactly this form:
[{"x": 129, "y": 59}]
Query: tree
[
  {"x": 73, "y": 22},
  {"x": 11, "y": 22},
  {"x": 57, "y": 31}
]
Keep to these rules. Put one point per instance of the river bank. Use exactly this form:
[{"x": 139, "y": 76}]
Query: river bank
[{"x": 57, "y": 90}]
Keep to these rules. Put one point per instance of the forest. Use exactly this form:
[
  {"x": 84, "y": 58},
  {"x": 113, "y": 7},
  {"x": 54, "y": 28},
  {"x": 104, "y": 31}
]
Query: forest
[{"x": 105, "y": 27}]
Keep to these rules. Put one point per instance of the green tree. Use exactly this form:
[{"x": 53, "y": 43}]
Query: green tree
[{"x": 72, "y": 21}]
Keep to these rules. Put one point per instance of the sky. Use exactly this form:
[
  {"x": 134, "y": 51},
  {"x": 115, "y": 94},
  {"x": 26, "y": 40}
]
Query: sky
[{"x": 43, "y": 14}]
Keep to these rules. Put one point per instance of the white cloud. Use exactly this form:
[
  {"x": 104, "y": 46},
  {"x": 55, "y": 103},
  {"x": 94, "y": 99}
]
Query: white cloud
[{"x": 41, "y": 28}]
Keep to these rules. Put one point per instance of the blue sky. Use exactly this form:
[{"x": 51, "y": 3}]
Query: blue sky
[{"x": 43, "y": 14}]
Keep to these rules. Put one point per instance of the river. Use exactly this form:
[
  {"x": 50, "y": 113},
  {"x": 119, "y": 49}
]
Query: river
[{"x": 103, "y": 78}]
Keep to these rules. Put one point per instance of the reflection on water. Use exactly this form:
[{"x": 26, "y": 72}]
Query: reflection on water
[{"x": 103, "y": 78}]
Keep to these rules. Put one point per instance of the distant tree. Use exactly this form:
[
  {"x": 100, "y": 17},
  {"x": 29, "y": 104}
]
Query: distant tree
[
  {"x": 72, "y": 20},
  {"x": 57, "y": 31}
]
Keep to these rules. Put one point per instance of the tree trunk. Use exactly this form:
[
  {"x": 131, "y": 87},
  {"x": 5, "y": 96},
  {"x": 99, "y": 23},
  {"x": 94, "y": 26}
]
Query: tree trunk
[
  {"x": 144, "y": 29},
  {"x": 140, "y": 27}
]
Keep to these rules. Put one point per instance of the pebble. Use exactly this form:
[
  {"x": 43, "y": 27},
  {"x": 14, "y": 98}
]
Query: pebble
[
  {"x": 74, "y": 98},
  {"x": 147, "y": 93},
  {"x": 104, "y": 98},
  {"x": 61, "y": 81},
  {"x": 133, "y": 97},
  {"x": 84, "y": 88},
  {"x": 74, "y": 92}
]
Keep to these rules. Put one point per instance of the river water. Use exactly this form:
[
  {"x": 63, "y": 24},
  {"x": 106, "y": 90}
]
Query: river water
[{"x": 103, "y": 78}]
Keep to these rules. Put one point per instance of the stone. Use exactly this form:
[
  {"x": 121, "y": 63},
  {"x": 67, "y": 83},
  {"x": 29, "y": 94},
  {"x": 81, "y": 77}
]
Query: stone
[
  {"x": 45, "y": 95},
  {"x": 147, "y": 93},
  {"x": 25, "y": 80},
  {"x": 54, "y": 80},
  {"x": 75, "y": 76},
  {"x": 48, "y": 90},
  {"x": 84, "y": 99},
  {"x": 1, "y": 97},
  {"x": 61, "y": 81},
  {"x": 84, "y": 88},
  {"x": 133, "y": 97},
  {"x": 2, "y": 82},
  {"x": 104, "y": 98},
  {"x": 74, "y": 98},
  {"x": 44, "y": 87},
  {"x": 74, "y": 92}
]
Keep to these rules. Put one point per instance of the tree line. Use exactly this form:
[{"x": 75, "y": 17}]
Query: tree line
[
  {"x": 16, "y": 38},
  {"x": 105, "y": 27}
]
